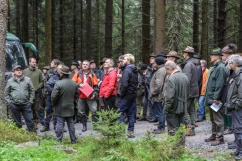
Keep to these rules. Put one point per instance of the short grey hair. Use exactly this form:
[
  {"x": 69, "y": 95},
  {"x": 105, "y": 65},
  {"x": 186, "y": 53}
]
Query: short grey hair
[
  {"x": 203, "y": 62},
  {"x": 170, "y": 65},
  {"x": 236, "y": 59},
  {"x": 110, "y": 61}
]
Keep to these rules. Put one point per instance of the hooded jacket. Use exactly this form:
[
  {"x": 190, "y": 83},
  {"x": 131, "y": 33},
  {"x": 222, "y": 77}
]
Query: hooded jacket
[{"x": 129, "y": 82}]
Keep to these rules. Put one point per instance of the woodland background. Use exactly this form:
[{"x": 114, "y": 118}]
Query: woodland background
[{"x": 93, "y": 29}]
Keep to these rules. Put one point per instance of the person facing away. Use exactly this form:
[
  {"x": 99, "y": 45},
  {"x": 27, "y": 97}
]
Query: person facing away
[{"x": 19, "y": 94}]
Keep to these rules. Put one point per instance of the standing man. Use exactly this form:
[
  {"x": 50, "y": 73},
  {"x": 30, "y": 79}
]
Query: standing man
[
  {"x": 37, "y": 79},
  {"x": 190, "y": 70},
  {"x": 156, "y": 93},
  {"x": 74, "y": 68},
  {"x": 173, "y": 56},
  {"x": 214, "y": 92},
  {"x": 176, "y": 94},
  {"x": 62, "y": 97},
  {"x": 128, "y": 89},
  {"x": 109, "y": 84},
  {"x": 85, "y": 75},
  {"x": 19, "y": 95}
]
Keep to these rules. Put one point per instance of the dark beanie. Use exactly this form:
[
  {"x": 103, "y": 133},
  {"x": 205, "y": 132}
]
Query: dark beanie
[
  {"x": 143, "y": 66},
  {"x": 159, "y": 60}
]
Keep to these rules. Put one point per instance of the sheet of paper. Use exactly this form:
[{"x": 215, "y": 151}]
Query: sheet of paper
[{"x": 216, "y": 107}]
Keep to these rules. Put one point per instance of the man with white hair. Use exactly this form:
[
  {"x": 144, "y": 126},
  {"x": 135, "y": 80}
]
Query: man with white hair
[{"x": 176, "y": 94}]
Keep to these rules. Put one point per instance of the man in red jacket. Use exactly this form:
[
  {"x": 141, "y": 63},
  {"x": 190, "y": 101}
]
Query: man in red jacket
[{"x": 109, "y": 83}]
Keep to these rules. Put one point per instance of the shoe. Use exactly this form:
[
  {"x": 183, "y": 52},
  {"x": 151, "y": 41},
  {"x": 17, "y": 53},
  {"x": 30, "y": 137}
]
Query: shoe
[
  {"x": 73, "y": 142},
  {"x": 76, "y": 121},
  {"x": 45, "y": 129},
  {"x": 157, "y": 123},
  {"x": 191, "y": 132},
  {"x": 142, "y": 119},
  {"x": 232, "y": 146},
  {"x": 218, "y": 141},
  {"x": 84, "y": 123},
  {"x": 200, "y": 119},
  {"x": 211, "y": 138},
  {"x": 238, "y": 157},
  {"x": 231, "y": 142},
  {"x": 157, "y": 131},
  {"x": 235, "y": 153},
  {"x": 196, "y": 124},
  {"x": 228, "y": 131},
  {"x": 131, "y": 134},
  {"x": 64, "y": 130},
  {"x": 153, "y": 121}
]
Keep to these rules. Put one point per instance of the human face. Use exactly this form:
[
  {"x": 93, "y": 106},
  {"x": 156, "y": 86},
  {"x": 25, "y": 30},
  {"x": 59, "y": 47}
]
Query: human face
[
  {"x": 214, "y": 58},
  {"x": 58, "y": 68},
  {"x": 185, "y": 55},
  {"x": 93, "y": 65},
  {"x": 32, "y": 63},
  {"x": 44, "y": 71},
  {"x": 203, "y": 67},
  {"x": 232, "y": 65},
  {"x": 170, "y": 58},
  {"x": 126, "y": 61},
  {"x": 120, "y": 62},
  {"x": 152, "y": 60},
  {"x": 107, "y": 64},
  {"x": 85, "y": 65},
  {"x": 225, "y": 56},
  {"x": 18, "y": 72},
  {"x": 168, "y": 71},
  {"x": 73, "y": 67},
  {"x": 52, "y": 65}
]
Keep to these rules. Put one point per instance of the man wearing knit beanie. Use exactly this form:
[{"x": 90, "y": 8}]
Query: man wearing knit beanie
[{"x": 156, "y": 94}]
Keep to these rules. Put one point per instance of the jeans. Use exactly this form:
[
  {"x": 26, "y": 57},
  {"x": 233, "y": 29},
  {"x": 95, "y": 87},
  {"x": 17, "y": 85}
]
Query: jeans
[
  {"x": 26, "y": 112},
  {"x": 127, "y": 107},
  {"x": 201, "y": 108},
  {"x": 158, "y": 109}
]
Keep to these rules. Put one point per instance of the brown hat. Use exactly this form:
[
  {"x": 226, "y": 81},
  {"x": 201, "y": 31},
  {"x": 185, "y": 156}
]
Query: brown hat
[
  {"x": 152, "y": 55},
  {"x": 230, "y": 48},
  {"x": 189, "y": 49},
  {"x": 173, "y": 54},
  {"x": 16, "y": 67},
  {"x": 64, "y": 70}
]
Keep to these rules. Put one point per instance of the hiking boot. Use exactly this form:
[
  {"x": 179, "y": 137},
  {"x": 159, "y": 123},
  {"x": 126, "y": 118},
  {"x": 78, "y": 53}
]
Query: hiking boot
[
  {"x": 131, "y": 134},
  {"x": 235, "y": 153},
  {"x": 142, "y": 119},
  {"x": 192, "y": 132},
  {"x": 211, "y": 138},
  {"x": 200, "y": 119},
  {"x": 218, "y": 141},
  {"x": 157, "y": 131},
  {"x": 44, "y": 129},
  {"x": 84, "y": 123},
  {"x": 153, "y": 121},
  {"x": 228, "y": 131},
  {"x": 238, "y": 157},
  {"x": 232, "y": 145}
]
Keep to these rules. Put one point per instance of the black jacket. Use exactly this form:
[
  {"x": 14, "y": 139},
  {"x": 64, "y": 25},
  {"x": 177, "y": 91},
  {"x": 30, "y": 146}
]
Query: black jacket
[{"x": 129, "y": 82}]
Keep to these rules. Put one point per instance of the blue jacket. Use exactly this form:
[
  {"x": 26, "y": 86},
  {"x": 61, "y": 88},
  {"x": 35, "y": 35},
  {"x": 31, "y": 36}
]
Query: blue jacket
[{"x": 49, "y": 85}]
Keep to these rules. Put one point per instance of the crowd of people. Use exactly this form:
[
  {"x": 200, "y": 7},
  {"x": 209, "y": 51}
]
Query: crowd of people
[{"x": 166, "y": 90}]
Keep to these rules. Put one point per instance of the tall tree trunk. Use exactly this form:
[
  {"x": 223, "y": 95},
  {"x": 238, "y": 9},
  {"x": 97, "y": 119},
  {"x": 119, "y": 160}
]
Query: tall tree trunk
[
  {"x": 222, "y": 23},
  {"x": 123, "y": 29},
  {"x": 9, "y": 26},
  {"x": 61, "y": 33},
  {"x": 81, "y": 31},
  {"x": 160, "y": 26},
  {"x": 145, "y": 31},
  {"x": 53, "y": 29},
  {"x": 74, "y": 31},
  {"x": 25, "y": 23},
  {"x": 88, "y": 28},
  {"x": 240, "y": 29},
  {"x": 3, "y": 28},
  {"x": 36, "y": 29},
  {"x": 108, "y": 28},
  {"x": 98, "y": 32},
  {"x": 204, "y": 47},
  {"x": 17, "y": 19},
  {"x": 48, "y": 42},
  {"x": 195, "y": 24},
  {"x": 215, "y": 24}
]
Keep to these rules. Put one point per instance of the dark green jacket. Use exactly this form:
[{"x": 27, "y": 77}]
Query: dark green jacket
[
  {"x": 216, "y": 84},
  {"x": 36, "y": 77},
  {"x": 19, "y": 92},
  {"x": 176, "y": 93},
  {"x": 63, "y": 95}
]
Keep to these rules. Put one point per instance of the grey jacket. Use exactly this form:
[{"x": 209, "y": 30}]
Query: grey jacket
[
  {"x": 176, "y": 95},
  {"x": 190, "y": 70},
  {"x": 63, "y": 97},
  {"x": 19, "y": 92},
  {"x": 234, "y": 96},
  {"x": 157, "y": 83}
]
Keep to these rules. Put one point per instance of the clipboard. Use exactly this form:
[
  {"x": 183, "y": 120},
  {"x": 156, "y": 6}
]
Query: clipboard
[{"x": 86, "y": 90}]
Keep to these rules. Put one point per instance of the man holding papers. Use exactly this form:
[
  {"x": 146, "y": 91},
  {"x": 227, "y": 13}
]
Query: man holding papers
[
  {"x": 214, "y": 92},
  {"x": 88, "y": 83}
]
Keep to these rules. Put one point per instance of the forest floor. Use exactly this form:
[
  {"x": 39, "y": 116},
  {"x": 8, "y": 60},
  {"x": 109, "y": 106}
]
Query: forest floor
[{"x": 194, "y": 144}]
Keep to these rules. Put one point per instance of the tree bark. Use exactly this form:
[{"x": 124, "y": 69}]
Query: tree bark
[
  {"x": 88, "y": 28},
  {"x": 240, "y": 29},
  {"x": 3, "y": 28},
  {"x": 160, "y": 26},
  {"x": 98, "y": 32},
  {"x": 81, "y": 30},
  {"x": 17, "y": 19},
  {"x": 61, "y": 33},
  {"x": 145, "y": 31},
  {"x": 9, "y": 22},
  {"x": 25, "y": 24},
  {"x": 222, "y": 23},
  {"x": 204, "y": 46},
  {"x": 215, "y": 24},
  {"x": 108, "y": 28},
  {"x": 48, "y": 41},
  {"x": 196, "y": 25},
  {"x": 74, "y": 31},
  {"x": 53, "y": 29},
  {"x": 123, "y": 29}
]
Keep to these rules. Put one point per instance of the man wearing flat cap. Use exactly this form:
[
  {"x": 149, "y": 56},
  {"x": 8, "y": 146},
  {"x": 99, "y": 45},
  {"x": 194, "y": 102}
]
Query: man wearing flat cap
[
  {"x": 19, "y": 94},
  {"x": 214, "y": 95},
  {"x": 190, "y": 70},
  {"x": 62, "y": 97},
  {"x": 74, "y": 68}
]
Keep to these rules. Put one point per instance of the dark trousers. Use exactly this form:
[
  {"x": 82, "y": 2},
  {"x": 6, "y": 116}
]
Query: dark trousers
[
  {"x": 190, "y": 115},
  {"x": 217, "y": 122},
  {"x": 109, "y": 103},
  {"x": 174, "y": 121},
  {"x": 49, "y": 112},
  {"x": 35, "y": 107},
  {"x": 60, "y": 128},
  {"x": 26, "y": 112},
  {"x": 41, "y": 112},
  {"x": 158, "y": 110},
  {"x": 127, "y": 107}
]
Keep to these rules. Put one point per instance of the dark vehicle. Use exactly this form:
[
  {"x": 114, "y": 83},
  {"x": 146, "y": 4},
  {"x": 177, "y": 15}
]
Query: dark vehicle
[{"x": 15, "y": 53}]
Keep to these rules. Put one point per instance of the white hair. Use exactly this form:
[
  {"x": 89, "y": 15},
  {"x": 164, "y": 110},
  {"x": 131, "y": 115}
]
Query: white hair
[{"x": 170, "y": 65}]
